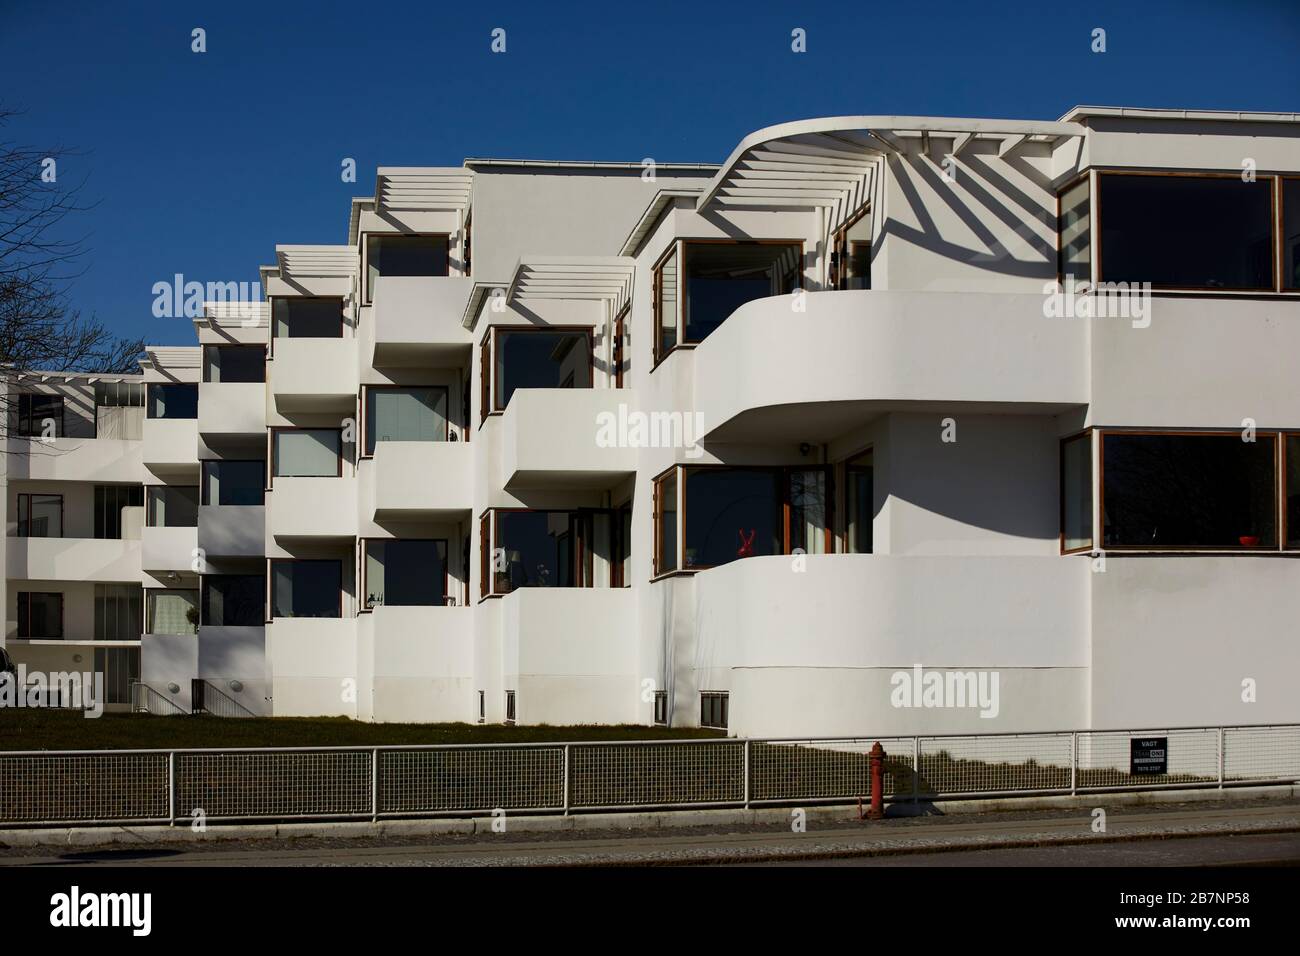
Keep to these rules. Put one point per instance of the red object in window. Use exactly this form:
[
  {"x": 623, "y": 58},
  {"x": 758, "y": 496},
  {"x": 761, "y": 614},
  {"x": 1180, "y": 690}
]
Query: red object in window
[{"x": 746, "y": 549}]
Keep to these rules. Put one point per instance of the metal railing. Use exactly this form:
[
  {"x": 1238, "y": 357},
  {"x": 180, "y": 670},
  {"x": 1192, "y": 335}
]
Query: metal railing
[
  {"x": 218, "y": 703},
  {"x": 146, "y": 700},
  {"x": 90, "y": 788}
]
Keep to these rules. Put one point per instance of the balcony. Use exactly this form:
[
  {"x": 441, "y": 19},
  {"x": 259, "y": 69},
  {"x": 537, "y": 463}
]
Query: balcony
[
  {"x": 422, "y": 663},
  {"x": 76, "y": 459},
  {"x": 552, "y": 438},
  {"x": 73, "y": 559},
  {"x": 314, "y": 374},
  {"x": 168, "y": 549},
  {"x": 316, "y": 509},
  {"x": 232, "y": 531},
  {"x": 570, "y": 654},
  {"x": 417, "y": 320},
  {"x": 171, "y": 445},
  {"x": 309, "y": 659},
  {"x": 826, "y": 640},
  {"x": 232, "y": 409},
  {"x": 771, "y": 374},
  {"x": 419, "y": 480}
]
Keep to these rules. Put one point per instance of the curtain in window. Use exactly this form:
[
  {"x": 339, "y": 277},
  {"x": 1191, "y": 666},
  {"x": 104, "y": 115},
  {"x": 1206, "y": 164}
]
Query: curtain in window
[
  {"x": 118, "y": 612},
  {"x": 808, "y": 511},
  {"x": 306, "y": 453},
  {"x": 407, "y": 414},
  {"x": 174, "y": 612}
]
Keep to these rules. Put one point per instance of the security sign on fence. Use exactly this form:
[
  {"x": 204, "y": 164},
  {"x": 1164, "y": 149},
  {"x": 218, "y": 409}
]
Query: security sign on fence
[{"x": 90, "y": 788}]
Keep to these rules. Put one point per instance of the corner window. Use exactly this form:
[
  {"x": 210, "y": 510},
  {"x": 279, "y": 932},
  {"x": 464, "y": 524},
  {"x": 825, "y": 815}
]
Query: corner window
[
  {"x": 173, "y": 400},
  {"x": 300, "y": 317},
  {"x": 40, "y": 615},
  {"x": 306, "y": 588},
  {"x": 234, "y": 482},
  {"x": 405, "y": 572},
  {"x": 405, "y": 414},
  {"x": 394, "y": 255},
  {"x": 307, "y": 453},
  {"x": 233, "y": 600},
  {"x": 170, "y": 506},
  {"x": 850, "y": 266},
  {"x": 1186, "y": 232},
  {"x": 539, "y": 358},
  {"x": 234, "y": 363},
  {"x": 1076, "y": 493},
  {"x": 547, "y": 549},
  {"x": 666, "y": 522},
  {"x": 1189, "y": 491},
  {"x": 1074, "y": 232},
  {"x": 666, "y": 287},
  {"x": 40, "y": 415},
  {"x": 172, "y": 611},
  {"x": 40, "y": 516},
  {"x": 714, "y": 705}
]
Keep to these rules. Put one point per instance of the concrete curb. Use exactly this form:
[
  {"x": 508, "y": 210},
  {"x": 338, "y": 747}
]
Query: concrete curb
[{"x": 654, "y": 820}]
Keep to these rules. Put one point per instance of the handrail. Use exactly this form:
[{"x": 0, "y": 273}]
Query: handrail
[
  {"x": 144, "y": 699},
  {"x": 226, "y": 706}
]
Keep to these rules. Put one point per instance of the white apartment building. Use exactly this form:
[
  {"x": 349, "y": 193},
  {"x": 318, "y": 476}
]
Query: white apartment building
[{"x": 729, "y": 445}]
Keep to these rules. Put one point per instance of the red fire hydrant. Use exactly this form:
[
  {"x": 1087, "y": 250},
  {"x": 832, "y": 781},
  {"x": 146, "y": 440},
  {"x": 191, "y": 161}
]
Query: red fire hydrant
[{"x": 877, "y": 755}]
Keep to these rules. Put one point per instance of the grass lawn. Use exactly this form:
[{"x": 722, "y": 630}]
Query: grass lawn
[{"x": 33, "y": 729}]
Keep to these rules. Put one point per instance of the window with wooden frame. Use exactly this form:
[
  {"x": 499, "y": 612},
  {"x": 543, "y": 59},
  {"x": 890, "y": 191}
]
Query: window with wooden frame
[
  {"x": 850, "y": 264},
  {"x": 735, "y": 511},
  {"x": 1290, "y": 490},
  {"x": 1076, "y": 493},
  {"x": 1188, "y": 231},
  {"x": 1289, "y": 221},
  {"x": 618, "y": 352},
  {"x": 1074, "y": 231},
  {"x": 40, "y": 516},
  {"x": 485, "y": 377},
  {"x": 1189, "y": 491},
  {"x": 306, "y": 452},
  {"x": 538, "y": 357},
  {"x": 543, "y": 548},
  {"x": 699, "y": 283},
  {"x": 404, "y": 572},
  {"x": 397, "y": 254},
  {"x": 405, "y": 413}
]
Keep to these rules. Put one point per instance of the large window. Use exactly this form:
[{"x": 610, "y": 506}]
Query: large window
[
  {"x": 40, "y": 516},
  {"x": 121, "y": 668},
  {"x": 1291, "y": 506},
  {"x": 740, "y": 512},
  {"x": 405, "y": 572},
  {"x": 541, "y": 549},
  {"x": 306, "y": 588},
  {"x": 40, "y": 415},
  {"x": 851, "y": 257},
  {"x": 296, "y": 317},
  {"x": 172, "y": 611},
  {"x": 1076, "y": 493},
  {"x": 1183, "y": 491},
  {"x": 307, "y": 452},
  {"x": 404, "y": 256},
  {"x": 40, "y": 615},
  {"x": 233, "y": 600},
  {"x": 1074, "y": 231},
  {"x": 171, "y": 506},
  {"x": 234, "y": 363},
  {"x": 716, "y": 278},
  {"x": 539, "y": 358},
  {"x": 859, "y": 502},
  {"x": 405, "y": 414},
  {"x": 234, "y": 482},
  {"x": 173, "y": 400},
  {"x": 1291, "y": 233},
  {"x": 1186, "y": 232},
  {"x": 110, "y": 500},
  {"x": 119, "y": 410},
  {"x": 119, "y": 612}
]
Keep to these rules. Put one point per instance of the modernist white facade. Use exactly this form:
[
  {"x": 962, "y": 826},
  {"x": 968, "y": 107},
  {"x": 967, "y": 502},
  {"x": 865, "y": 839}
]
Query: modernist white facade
[{"x": 737, "y": 445}]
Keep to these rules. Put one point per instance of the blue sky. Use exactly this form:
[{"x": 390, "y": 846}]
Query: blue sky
[{"x": 201, "y": 163}]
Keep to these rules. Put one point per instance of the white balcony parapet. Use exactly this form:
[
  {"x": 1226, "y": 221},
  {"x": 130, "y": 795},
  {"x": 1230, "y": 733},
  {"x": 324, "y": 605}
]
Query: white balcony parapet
[
  {"x": 567, "y": 437},
  {"x": 419, "y": 479},
  {"x": 314, "y": 374},
  {"x": 73, "y": 559},
  {"x": 169, "y": 549},
  {"x": 232, "y": 408},
  {"x": 171, "y": 445},
  {"x": 417, "y": 320},
  {"x": 305, "y": 508}
]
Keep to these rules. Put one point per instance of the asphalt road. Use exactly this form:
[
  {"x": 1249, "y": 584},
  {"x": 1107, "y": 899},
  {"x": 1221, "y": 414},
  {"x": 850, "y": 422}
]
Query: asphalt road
[{"x": 1187, "y": 835}]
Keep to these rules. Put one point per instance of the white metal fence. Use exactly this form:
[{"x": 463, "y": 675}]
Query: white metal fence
[{"x": 166, "y": 786}]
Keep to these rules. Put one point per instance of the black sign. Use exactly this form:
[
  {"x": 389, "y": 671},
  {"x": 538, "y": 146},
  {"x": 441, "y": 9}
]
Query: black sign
[{"x": 1148, "y": 756}]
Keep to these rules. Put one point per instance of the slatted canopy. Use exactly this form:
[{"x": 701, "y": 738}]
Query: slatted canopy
[
  {"x": 173, "y": 356},
  {"x": 605, "y": 278},
  {"x": 316, "y": 262},
  {"x": 829, "y": 162},
  {"x": 423, "y": 187}
]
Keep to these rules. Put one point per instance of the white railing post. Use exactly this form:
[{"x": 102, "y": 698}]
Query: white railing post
[
  {"x": 746, "y": 773},
  {"x": 171, "y": 788},
  {"x": 374, "y": 785},
  {"x": 566, "y": 780},
  {"x": 1221, "y": 758}
]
